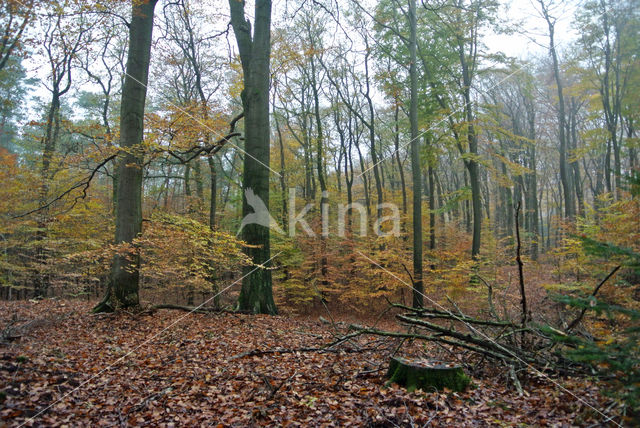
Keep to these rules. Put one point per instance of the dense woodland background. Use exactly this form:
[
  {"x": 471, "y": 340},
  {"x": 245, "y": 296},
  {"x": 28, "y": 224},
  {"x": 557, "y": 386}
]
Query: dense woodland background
[{"x": 384, "y": 103}]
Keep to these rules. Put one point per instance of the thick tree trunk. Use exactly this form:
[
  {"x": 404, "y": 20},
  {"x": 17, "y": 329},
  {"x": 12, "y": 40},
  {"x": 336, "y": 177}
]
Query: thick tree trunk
[
  {"x": 125, "y": 271},
  {"x": 197, "y": 177},
  {"x": 256, "y": 294},
  {"x": 41, "y": 280}
]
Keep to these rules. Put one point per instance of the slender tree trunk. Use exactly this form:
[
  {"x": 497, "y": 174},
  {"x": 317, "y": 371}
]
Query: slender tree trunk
[
  {"x": 365, "y": 180},
  {"x": 565, "y": 177},
  {"x": 416, "y": 175},
  {"x": 432, "y": 211},
  {"x": 187, "y": 188},
  {"x": 324, "y": 197},
  {"x": 214, "y": 192},
  {"x": 283, "y": 181},
  {"x": 396, "y": 141}
]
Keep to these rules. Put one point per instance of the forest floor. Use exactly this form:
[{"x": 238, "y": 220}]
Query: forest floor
[{"x": 169, "y": 368}]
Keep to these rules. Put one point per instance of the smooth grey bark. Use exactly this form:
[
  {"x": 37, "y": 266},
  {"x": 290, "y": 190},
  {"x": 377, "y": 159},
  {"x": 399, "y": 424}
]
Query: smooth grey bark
[
  {"x": 531, "y": 178},
  {"x": 416, "y": 175},
  {"x": 324, "y": 197},
  {"x": 125, "y": 270},
  {"x": 396, "y": 142},
  {"x": 283, "y": 181},
  {"x": 573, "y": 146},
  {"x": 256, "y": 294},
  {"x": 214, "y": 192},
  {"x": 370, "y": 124},
  {"x": 565, "y": 175},
  {"x": 471, "y": 163}
]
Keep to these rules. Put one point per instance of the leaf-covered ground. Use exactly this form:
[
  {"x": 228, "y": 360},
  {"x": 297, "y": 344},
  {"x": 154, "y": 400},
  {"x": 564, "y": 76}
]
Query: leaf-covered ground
[{"x": 170, "y": 368}]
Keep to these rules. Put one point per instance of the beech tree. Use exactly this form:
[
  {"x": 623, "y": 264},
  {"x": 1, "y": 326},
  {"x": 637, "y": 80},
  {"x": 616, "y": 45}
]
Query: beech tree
[
  {"x": 125, "y": 271},
  {"x": 254, "y": 47},
  {"x": 565, "y": 176}
]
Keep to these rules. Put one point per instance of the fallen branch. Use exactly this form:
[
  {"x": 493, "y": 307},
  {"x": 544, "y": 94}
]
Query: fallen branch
[
  {"x": 464, "y": 337},
  {"x": 258, "y": 352},
  {"x": 197, "y": 310},
  {"x": 434, "y": 313},
  {"x": 416, "y": 336}
]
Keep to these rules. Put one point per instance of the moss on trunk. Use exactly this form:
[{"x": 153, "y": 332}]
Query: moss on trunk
[{"x": 426, "y": 375}]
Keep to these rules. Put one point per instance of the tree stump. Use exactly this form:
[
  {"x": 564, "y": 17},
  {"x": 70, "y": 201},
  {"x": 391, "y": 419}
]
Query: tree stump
[{"x": 425, "y": 374}]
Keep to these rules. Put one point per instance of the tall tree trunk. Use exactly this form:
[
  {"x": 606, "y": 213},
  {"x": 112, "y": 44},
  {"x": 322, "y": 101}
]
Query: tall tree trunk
[
  {"x": 324, "y": 197},
  {"x": 365, "y": 180},
  {"x": 256, "y": 294},
  {"x": 633, "y": 156},
  {"x": 125, "y": 271},
  {"x": 473, "y": 167},
  {"x": 372, "y": 133},
  {"x": 197, "y": 177},
  {"x": 565, "y": 173},
  {"x": 214, "y": 192},
  {"x": 41, "y": 279},
  {"x": 396, "y": 141},
  {"x": 432, "y": 210},
  {"x": 283, "y": 181},
  {"x": 187, "y": 188},
  {"x": 532, "y": 203},
  {"x": 575, "y": 166},
  {"x": 416, "y": 175}
]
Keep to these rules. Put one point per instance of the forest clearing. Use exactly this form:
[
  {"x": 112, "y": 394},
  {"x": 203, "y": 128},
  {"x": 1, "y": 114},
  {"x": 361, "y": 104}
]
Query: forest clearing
[{"x": 319, "y": 213}]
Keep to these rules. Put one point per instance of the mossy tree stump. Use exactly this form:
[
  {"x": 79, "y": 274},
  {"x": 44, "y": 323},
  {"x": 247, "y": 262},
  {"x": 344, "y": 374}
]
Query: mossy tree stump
[{"x": 426, "y": 375}]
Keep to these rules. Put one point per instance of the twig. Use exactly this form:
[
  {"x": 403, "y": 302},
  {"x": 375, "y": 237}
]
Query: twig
[
  {"x": 516, "y": 381},
  {"x": 277, "y": 388},
  {"x": 584, "y": 310},
  {"x": 492, "y": 309}
]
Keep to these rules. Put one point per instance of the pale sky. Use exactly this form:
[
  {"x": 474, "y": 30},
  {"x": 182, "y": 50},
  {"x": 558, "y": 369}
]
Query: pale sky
[{"x": 530, "y": 40}]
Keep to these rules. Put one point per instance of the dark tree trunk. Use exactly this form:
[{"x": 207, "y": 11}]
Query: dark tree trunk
[
  {"x": 125, "y": 271},
  {"x": 416, "y": 175},
  {"x": 214, "y": 192},
  {"x": 324, "y": 197},
  {"x": 187, "y": 188},
  {"x": 197, "y": 177},
  {"x": 256, "y": 294}
]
